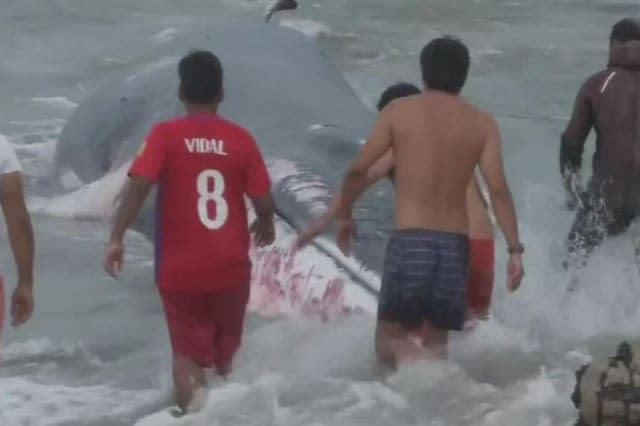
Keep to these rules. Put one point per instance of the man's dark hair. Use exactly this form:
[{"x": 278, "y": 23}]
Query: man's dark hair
[
  {"x": 628, "y": 29},
  {"x": 200, "y": 77},
  {"x": 445, "y": 64},
  {"x": 398, "y": 90}
]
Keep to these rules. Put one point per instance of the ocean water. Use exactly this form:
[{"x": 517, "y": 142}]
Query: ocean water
[{"x": 96, "y": 352}]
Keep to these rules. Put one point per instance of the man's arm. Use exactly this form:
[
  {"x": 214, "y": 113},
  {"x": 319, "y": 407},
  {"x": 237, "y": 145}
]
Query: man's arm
[
  {"x": 575, "y": 136},
  {"x": 18, "y": 226},
  {"x": 263, "y": 206},
  {"x": 144, "y": 172},
  {"x": 380, "y": 169},
  {"x": 492, "y": 171},
  {"x": 263, "y": 227},
  {"x": 135, "y": 194},
  {"x": 356, "y": 180}
]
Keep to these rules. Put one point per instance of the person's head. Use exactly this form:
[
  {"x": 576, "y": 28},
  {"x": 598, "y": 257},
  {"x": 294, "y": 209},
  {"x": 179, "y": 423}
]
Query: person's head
[
  {"x": 445, "y": 65},
  {"x": 398, "y": 90},
  {"x": 625, "y": 30},
  {"x": 200, "y": 79}
]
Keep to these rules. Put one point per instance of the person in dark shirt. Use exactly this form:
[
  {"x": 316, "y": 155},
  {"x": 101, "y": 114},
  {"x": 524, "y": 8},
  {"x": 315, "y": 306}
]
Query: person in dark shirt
[{"x": 609, "y": 102}]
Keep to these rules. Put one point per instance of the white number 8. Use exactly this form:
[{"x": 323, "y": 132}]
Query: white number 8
[{"x": 215, "y": 195}]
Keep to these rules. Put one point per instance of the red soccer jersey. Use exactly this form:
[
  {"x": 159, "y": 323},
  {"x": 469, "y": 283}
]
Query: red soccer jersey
[{"x": 204, "y": 165}]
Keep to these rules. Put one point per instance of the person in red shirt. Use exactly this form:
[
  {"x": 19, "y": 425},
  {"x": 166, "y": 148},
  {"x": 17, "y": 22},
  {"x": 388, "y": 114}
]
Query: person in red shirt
[{"x": 204, "y": 166}]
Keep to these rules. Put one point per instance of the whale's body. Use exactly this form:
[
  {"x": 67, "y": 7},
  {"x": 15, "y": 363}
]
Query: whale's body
[{"x": 277, "y": 84}]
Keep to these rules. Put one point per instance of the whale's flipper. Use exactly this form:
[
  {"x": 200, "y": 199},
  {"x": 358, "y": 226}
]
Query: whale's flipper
[{"x": 279, "y": 5}]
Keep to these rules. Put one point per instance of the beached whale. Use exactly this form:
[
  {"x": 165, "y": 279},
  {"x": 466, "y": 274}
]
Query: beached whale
[{"x": 277, "y": 83}]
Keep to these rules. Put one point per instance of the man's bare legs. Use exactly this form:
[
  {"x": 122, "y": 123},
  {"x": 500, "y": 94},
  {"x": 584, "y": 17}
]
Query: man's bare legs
[
  {"x": 393, "y": 343},
  {"x": 188, "y": 377},
  {"x": 387, "y": 334},
  {"x": 435, "y": 341}
]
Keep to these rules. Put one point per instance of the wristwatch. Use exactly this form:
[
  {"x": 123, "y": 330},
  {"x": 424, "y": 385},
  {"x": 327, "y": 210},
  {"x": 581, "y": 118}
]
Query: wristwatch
[{"x": 516, "y": 249}]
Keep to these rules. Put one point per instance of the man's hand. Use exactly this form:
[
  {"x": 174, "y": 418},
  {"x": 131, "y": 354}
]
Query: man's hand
[
  {"x": 314, "y": 229},
  {"x": 264, "y": 231},
  {"x": 20, "y": 231},
  {"x": 573, "y": 190},
  {"x": 515, "y": 271},
  {"x": 22, "y": 304},
  {"x": 571, "y": 202},
  {"x": 307, "y": 235},
  {"x": 346, "y": 229},
  {"x": 133, "y": 196},
  {"x": 114, "y": 258}
]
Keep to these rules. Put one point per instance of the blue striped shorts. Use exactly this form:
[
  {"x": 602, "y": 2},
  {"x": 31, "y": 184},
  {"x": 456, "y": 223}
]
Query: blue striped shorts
[{"x": 425, "y": 278}]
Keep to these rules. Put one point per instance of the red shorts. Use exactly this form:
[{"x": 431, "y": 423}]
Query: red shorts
[
  {"x": 206, "y": 327},
  {"x": 480, "y": 281}
]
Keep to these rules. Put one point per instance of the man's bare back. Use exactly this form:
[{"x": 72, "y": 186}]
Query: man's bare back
[{"x": 437, "y": 140}]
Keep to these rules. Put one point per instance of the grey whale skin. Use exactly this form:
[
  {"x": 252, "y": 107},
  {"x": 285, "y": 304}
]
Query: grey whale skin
[{"x": 278, "y": 84}]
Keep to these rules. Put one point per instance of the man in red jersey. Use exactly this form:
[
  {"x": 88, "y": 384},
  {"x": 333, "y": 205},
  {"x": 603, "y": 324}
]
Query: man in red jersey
[{"x": 204, "y": 165}]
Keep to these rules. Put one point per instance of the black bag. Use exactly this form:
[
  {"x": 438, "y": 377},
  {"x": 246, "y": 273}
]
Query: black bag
[{"x": 607, "y": 392}]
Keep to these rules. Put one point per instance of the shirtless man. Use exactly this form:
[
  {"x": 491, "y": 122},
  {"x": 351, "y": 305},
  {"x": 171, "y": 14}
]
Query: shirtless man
[
  {"x": 437, "y": 140},
  {"x": 480, "y": 279}
]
